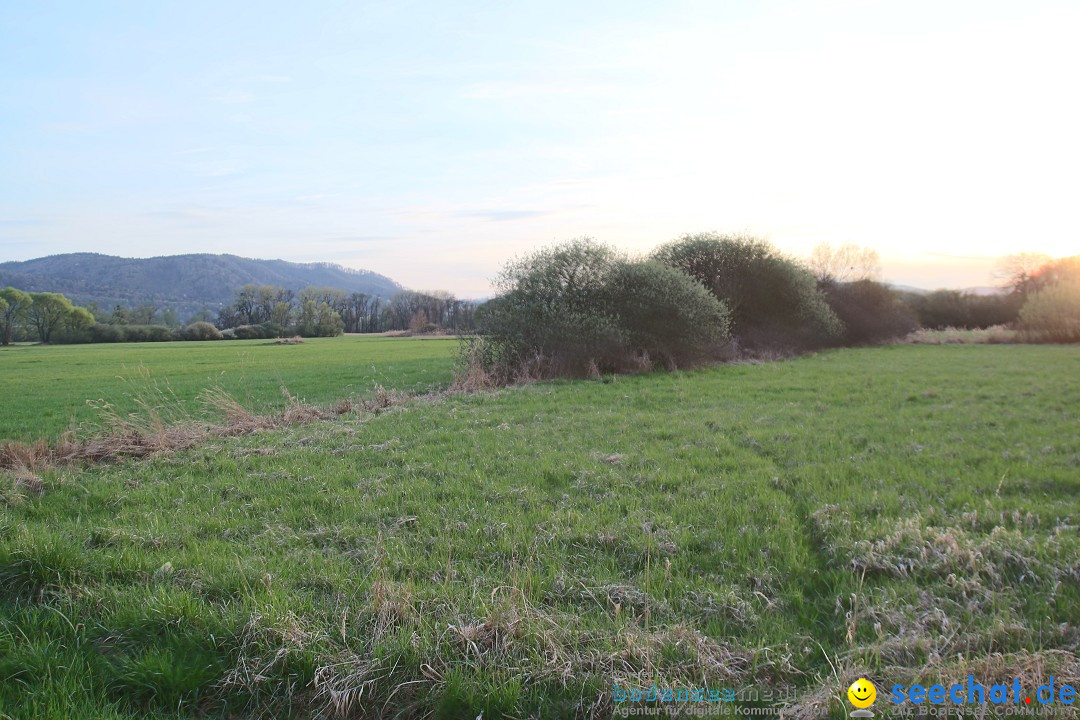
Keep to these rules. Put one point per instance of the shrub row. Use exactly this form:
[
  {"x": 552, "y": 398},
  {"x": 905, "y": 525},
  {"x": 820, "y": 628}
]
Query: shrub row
[
  {"x": 101, "y": 333},
  {"x": 870, "y": 312},
  {"x": 956, "y": 309},
  {"x": 265, "y": 331},
  {"x": 582, "y": 308},
  {"x": 774, "y": 302}
]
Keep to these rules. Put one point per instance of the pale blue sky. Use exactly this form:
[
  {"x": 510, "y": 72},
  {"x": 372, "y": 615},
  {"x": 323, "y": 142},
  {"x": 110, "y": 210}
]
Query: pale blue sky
[{"x": 431, "y": 141}]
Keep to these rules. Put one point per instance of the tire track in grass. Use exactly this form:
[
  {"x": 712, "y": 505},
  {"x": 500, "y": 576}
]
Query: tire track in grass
[{"x": 821, "y": 587}]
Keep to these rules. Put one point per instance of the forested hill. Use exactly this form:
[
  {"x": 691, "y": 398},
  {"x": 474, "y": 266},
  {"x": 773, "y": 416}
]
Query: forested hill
[{"x": 185, "y": 283}]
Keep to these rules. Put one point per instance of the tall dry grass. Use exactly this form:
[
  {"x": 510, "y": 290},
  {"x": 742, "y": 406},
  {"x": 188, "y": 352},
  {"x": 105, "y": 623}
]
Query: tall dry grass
[
  {"x": 996, "y": 334},
  {"x": 164, "y": 423}
]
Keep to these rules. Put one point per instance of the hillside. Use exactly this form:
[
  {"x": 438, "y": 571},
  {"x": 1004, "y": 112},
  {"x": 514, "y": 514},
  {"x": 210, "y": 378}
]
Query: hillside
[{"x": 185, "y": 283}]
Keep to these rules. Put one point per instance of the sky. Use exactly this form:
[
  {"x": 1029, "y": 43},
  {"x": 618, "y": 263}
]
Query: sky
[{"x": 433, "y": 141}]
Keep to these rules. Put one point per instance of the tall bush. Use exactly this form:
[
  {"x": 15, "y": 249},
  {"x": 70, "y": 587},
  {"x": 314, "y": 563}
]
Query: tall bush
[
  {"x": 200, "y": 331},
  {"x": 953, "y": 308},
  {"x": 104, "y": 333},
  {"x": 666, "y": 315},
  {"x": 551, "y": 317},
  {"x": 870, "y": 311},
  {"x": 581, "y": 307},
  {"x": 1053, "y": 314},
  {"x": 254, "y": 332},
  {"x": 774, "y": 302}
]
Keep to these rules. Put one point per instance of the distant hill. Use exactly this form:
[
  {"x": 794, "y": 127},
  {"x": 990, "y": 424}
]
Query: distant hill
[
  {"x": 986, "y": 290},
  {"x": 909, "y": 288},
  {"x": 979, "y": 290},
  {"x": 185, "y": 283}
]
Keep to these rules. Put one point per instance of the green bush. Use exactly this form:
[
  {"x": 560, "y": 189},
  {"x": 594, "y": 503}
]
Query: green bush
[
  {"x": 774, "y": 302},
  {"x": 200, "y": 331},
  {"x": 145, "y": 333},
  {"x": 1053, "y": 314},
  {"x": 953, "y": 308},
  {"x": 551, "y": 317},
  {"x": 870, "y": 311},
  {"x": 70, "y": 336},
  {"x": 253, "y": 332},
  {"x": 666, "y": 315},
  {"x": 135, "y": 333},
  {"x": 101, "y": 333},
  {"x": 581, "y": 307}
]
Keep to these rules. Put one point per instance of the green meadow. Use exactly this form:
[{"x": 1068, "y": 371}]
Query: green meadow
[
  {"x": 907, "y": 513},
  {"x": 47, "y": 388}
]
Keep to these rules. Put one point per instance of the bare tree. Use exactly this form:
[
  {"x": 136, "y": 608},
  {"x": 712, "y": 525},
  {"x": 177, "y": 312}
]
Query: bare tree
[
  {"x": 144, "y": 314},
  {"x": 375, "y": 315},
  {"x": 847, "y": 263},
  {"x": 246, "y": 304},
  {"x": 272, "y": 304},
  {"x": 1020, "y": 273},
  {"x": 355, "y": 312}
]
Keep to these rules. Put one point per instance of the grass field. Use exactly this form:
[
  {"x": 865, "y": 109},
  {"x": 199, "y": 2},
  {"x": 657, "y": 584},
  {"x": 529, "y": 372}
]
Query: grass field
[
  {"x": 906, "y": 512},
  {"x": 47, "y": 387}
]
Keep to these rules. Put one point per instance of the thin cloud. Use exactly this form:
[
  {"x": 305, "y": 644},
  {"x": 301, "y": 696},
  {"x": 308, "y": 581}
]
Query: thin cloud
[
  {"x": 504, "y": 215},
  {"x": 953, "y": 256},
  {"x": 362, "y": 238}
]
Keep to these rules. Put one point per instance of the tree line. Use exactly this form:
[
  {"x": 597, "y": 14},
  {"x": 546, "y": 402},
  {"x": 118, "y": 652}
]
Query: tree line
[
  {"x": 317, "y": 311},
  {"x": 42, "y": 314},
  {"x": 257, "y": 311}
]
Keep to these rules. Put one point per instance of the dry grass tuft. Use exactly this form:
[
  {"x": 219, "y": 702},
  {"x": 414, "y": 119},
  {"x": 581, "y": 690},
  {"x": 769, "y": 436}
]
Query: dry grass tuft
[
  {"x": 298, "y": 412},
  {"x": 345, "y": 686},
  {"x": 916, "y": 546},
  {"x": 237, "y": 417},
  {"x": 472, "y": 376},
  {"x": 28, "y": 482},
  {"x": 28, "y": 456},
  {"x": 165, "y": 425},
  {"x": 393, "y": 606},
  {"x": 994, "y": 335},
  {"x": 261, "y": 670}
]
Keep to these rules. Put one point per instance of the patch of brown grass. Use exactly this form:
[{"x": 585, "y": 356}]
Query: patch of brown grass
[
  {"x": 915, "y": 545},
  {"x": 25, "y": 456},
  {"x": 509, "y": 635},
  {"x": 994, "y": 335},
  {"x": 473, "y": 376},
  {"x": 28, "y": 482},
  {"x": 266, "y": 647},
  {"x": 163, "y": 427}
]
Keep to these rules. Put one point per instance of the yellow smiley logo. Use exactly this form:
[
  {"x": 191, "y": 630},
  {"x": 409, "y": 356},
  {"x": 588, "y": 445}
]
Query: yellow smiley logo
[{"x": 862, "y": 693}]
